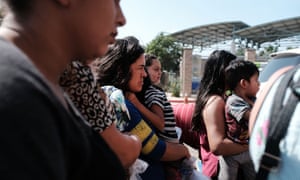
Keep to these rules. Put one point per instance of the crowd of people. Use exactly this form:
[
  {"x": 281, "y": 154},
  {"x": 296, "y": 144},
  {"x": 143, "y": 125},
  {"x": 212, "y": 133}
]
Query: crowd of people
[
  {"x": 123, "y": 67},
  {"x": 77, "y": 103}
]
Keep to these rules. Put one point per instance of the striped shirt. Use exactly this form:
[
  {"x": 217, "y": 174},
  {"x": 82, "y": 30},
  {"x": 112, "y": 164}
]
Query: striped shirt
[{"x": 155, "y": 96}]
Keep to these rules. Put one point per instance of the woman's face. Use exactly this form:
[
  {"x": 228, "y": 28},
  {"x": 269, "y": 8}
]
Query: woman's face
[
  {"x": 154, "y": 71},
  {"x": 138, "y": 74},
  {"x": 93, "y": 26}
]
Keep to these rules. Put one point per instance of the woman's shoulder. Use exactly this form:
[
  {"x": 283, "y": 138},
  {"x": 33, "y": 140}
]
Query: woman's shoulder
[
  {"x": 215, "y": 102},
  {"x": 216, "y": 99}
]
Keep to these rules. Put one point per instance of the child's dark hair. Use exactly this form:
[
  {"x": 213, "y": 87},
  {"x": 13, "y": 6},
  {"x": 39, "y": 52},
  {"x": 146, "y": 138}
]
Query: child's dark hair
[
  {"x": 238, "y": 70},
  {"x": 149, "y": 58}
]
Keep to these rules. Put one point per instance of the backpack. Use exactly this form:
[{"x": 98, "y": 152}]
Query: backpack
[{"x": 288, "y": 91}]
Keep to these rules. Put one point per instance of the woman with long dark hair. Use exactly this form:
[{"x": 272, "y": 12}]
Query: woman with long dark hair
[{"x": 208, "y": 118}]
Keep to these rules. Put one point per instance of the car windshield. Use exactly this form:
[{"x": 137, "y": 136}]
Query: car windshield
[{"x": 276, "y": 64}]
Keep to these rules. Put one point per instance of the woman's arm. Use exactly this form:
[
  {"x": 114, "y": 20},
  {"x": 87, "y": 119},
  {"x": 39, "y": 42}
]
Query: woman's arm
[
  {"x": 78, "y": 75},
  {"x": 154, "y": 118},
  {"x": 175, "y": 152},
  {"x": 127, "y": 147},
  {"x": 153, "y": 147},
  {"x": 213, "y": 115}
]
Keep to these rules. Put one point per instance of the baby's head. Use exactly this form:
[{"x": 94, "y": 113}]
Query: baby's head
[{"x": 241, "y": 73}]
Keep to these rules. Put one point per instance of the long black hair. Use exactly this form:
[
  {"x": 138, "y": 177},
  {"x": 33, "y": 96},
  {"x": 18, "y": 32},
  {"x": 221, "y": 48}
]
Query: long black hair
[
  {"x": 212, "y": 82},
  {"x": 113, "y": 68}
]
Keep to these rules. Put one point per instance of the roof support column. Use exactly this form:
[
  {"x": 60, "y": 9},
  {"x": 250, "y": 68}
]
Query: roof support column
[
  {"x": 186, "y": 72},
  {"x": 250, "y": 54}
]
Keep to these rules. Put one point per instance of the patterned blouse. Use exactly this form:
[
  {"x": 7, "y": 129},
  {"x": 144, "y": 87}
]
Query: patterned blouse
[{"x": 79, "y": 83}]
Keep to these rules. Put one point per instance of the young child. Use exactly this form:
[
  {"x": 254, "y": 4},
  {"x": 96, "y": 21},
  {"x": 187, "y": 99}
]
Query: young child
[
  {"x": 242, "y": 80},
  {"x": 155, "y": 99}
]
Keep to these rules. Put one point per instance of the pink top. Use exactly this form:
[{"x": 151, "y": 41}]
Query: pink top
[{"x": 208, "y": 159}]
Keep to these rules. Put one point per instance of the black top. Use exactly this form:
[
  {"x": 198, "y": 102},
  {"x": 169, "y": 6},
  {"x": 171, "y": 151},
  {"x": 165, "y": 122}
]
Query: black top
[{"x": 39, "y": 138}]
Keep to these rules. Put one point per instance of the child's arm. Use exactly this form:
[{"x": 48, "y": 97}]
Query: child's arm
[
  {"x": 157, "y": 110},
  {"x": 154, "y": 118},
  {"x": 247, "y": 115}
]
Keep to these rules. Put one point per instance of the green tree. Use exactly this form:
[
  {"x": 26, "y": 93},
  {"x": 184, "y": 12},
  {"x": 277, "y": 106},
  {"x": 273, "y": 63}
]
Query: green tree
[
  {"x": 167, "y": 50},
  {"x": 271, "y": 49},
  {"x": 240, "y": 51},
  {"x": 266, "y": 51}
]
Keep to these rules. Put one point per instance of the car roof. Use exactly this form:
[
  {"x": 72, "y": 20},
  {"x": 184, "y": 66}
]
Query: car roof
[
  {"x": 279, "y": 60},
  {"x": 289, "y": 52}
]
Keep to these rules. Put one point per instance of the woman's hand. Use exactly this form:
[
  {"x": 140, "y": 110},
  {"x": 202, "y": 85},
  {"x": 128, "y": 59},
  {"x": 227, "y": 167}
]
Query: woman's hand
[{"x": 175, "y": 151}]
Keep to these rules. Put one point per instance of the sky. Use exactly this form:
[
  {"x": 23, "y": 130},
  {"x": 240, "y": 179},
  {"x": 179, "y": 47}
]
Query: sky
[{"x": 145, "y": 19}]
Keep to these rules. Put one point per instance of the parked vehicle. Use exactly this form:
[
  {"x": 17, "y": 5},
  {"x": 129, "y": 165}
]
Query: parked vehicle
[
  {"x": 195, "y": 84},
  {"x": 278, "y": 60}
]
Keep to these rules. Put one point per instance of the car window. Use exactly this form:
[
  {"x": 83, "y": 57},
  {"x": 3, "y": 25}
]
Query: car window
[{"x": 276, "y": 64}]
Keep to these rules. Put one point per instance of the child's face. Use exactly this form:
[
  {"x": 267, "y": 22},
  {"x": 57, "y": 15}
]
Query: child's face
[
  {"x": 154, "y": 71},
  {"x": 253, "y": 86}
]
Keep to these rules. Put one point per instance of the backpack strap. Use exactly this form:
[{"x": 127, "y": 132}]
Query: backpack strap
[{"x": 279, "y": 120}]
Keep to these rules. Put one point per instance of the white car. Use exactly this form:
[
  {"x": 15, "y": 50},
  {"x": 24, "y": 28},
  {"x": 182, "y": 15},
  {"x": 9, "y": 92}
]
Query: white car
[{"x": 278, "y": 60}]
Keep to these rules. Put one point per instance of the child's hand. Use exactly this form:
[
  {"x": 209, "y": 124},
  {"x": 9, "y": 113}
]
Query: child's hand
[{"x": 131, "y": 97}]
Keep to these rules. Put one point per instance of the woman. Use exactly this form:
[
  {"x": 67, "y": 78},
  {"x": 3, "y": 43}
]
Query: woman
[
  {"x": 209, "y": 118},
  {"x": 123, "y": 67},
  {"x": 79, "y": 83},
  {"x": 42, "y": 135}
]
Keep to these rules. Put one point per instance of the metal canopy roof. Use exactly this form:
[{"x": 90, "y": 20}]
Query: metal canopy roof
[
  {"x": 206, "y": 35},
  {"x": 272, "y": 31}
]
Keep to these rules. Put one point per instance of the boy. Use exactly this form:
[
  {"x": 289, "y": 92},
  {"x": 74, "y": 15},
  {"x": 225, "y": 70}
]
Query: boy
[{"x": 241, "y": 78}]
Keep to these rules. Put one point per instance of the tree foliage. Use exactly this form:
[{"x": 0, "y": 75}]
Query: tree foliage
[
  {"x": 268, "y": 50},
  {"x": 167, "y": 50}
]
